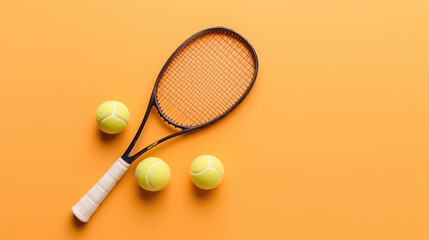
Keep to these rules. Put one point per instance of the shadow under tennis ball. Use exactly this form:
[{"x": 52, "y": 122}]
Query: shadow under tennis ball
[
  {"x": 148, "y": 196},
  {"x": 106, "y": 137},
  {"x": 200, "y": 193}
]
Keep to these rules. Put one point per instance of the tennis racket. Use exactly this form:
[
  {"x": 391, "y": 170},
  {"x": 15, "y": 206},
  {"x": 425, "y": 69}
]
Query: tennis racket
[{"x": 201, "y": 82}]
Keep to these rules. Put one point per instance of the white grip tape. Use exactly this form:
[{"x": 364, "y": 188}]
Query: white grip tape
[{"x": 92, "y": 199}]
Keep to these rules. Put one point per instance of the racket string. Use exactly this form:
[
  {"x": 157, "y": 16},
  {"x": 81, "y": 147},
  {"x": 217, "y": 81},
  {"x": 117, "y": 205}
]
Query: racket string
[
  {"x": 205, "y": 78},
  {"x": 188, "y": 102},
  {"x": 211, "y": 110},
  {"x": 199, "y": 90},
  {"x": 188, "y": 87}
]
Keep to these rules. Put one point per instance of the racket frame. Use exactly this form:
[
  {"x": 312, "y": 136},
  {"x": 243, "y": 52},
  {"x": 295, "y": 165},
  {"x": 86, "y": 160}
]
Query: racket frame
[{"x": 127, "y": 157}]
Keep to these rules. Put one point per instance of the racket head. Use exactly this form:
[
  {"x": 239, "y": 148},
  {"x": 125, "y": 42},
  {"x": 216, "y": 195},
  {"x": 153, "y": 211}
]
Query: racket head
[{"x": 206, "y": 78}]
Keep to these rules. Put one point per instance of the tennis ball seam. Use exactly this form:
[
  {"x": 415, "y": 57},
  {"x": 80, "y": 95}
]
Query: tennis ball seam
[
  {"x": 148, "y": 174},
  {"x": 208, "y": 168},
  {"x": 113, "y": 114}
]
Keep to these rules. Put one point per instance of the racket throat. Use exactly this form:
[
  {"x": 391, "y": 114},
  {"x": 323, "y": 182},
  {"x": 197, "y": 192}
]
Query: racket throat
[
  {"x": 127, "y": 154},
  {"x": 130, "y": 158}
]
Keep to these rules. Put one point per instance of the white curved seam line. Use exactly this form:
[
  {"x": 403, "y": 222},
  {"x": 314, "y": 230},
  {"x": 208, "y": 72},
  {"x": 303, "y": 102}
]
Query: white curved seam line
[
  {"x": 102, "y": 119},
  {"x": 201, "y": 171},
  {"x": 113, "y": 114},
  {"x": 207, "y": 168},
  {"x": 204, "y": 169},
  {"x": 123, "y": 120},
  {"x": 114, "y": 109},
  {"x": 148, "y": 174},
  {"x": 210, "y": 163},
  {"x": 218, "y": 173}
]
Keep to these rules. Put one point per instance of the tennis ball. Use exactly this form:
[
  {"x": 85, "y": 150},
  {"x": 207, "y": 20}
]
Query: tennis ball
[
  {"x": 206, "y": 171},
  {"x": 112, "y": 117},
  {"x": 152, "y": 174}
]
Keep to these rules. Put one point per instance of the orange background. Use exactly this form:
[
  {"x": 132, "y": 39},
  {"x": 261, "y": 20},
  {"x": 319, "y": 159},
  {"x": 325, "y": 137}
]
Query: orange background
[{"x": 331, "y": 143}]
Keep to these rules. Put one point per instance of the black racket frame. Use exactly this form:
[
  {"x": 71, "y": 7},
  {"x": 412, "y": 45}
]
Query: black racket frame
[{"x": 154, "y": 103}]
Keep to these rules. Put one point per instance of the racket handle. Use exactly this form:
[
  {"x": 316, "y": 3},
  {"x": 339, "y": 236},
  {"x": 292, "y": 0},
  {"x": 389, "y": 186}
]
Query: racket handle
[{"x": 92, "y": 199}]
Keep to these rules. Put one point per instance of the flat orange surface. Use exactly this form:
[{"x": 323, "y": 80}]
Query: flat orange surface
[{"x": 331, "y": 143}]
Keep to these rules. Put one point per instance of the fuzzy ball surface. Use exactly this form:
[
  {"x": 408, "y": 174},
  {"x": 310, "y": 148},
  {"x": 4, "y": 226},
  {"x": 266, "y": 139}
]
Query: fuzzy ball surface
[
  {"x": 112, "y": 117},
  {"x": 207, "y": 172},
  {"x": 153, "y": 174}
]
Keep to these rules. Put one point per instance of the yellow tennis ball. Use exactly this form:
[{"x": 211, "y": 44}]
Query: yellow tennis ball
[
  {"x": 152, "y": 174},
  {"x": 112, "y": 117},
  {"x": 207, "y": 172}
]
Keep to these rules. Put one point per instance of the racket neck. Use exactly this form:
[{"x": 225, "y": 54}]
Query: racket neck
[
  {"x": 141, "y": 152},
  {"x": 126, "y": 156}
]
